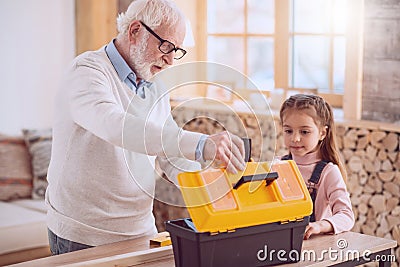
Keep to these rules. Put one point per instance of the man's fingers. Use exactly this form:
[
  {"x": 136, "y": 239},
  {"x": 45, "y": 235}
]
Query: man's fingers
[
  {"x": 226, "y": 148},
  {"x": 236, "y": 161},
  {"x": 230, "y": 165},
  {"x": 232, "y": 158},
  {"x": 239, "y": 144},
  {"x": 238, "y": 157},
  {"x": 235, "y": 153}
]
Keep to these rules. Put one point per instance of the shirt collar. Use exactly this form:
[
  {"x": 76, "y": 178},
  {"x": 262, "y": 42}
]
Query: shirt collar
[
  {"x": 118, "y": 62},
  {"x": 122, "y": 67},
  {"x": 310, "y": 158}
]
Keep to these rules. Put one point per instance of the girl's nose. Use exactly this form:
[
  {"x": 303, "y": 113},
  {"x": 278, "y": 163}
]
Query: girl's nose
[{"x": 296, "y": 137}]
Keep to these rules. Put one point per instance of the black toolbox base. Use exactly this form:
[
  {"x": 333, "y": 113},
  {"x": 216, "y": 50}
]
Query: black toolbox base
[{"x": 260, "y": 245}]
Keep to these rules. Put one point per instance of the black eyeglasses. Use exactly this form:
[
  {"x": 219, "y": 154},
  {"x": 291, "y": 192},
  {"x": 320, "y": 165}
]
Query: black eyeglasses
[{"x": 165, "y": 46}]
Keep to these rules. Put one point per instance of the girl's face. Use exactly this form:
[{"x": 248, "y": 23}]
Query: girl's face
[{"x": 301, "y": 134}]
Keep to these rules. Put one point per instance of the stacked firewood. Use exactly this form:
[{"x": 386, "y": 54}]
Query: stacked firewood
[{"x": 372, "y": 161}]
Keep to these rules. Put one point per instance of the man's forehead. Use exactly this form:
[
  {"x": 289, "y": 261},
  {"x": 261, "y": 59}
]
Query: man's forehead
[{"x": 173, "y": 33}]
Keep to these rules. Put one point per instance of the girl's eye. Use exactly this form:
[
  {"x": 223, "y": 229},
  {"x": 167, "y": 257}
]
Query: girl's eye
[
  {"x": 287, "y": 131},
  {"x": 305, "y": 132}
]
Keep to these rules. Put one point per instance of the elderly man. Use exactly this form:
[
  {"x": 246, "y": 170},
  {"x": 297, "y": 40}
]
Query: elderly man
[{"x": 101, "y": 173}]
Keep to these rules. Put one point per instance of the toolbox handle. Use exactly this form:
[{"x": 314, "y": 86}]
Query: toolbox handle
[
  {"x": 247, "y": 149},
  {"x": 268, "y": 177}
]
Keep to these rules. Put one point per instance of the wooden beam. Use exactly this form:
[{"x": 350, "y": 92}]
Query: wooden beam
[
  {"x": 354, "y": 61},
  {"x": 95, "y": 23},
  {"x": 281, "y": 61},
  {"x": 201, "y": 30},
  {"x": 201, "y": 39}
]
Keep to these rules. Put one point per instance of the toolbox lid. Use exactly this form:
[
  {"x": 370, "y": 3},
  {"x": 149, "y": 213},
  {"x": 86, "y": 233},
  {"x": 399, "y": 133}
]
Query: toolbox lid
[{"x": 262, "y": 193}]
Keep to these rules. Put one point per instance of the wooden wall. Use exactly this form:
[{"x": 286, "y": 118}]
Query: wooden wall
[
  {"x": 95, "y": 23},
  {"x": 381, "y": 80}
]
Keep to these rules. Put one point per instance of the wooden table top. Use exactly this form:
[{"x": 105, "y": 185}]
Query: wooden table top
[{"x": 124, "y": 253}]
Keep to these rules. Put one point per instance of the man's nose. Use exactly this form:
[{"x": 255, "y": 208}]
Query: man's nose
[{"x": 169, "y": 58}]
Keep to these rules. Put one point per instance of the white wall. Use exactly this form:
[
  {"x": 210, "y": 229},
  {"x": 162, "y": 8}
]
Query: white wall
[{"x": 37, "y": 41}]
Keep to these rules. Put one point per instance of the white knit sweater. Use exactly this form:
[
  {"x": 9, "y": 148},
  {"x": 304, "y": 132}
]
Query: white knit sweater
[{"x": 101, "y": 173}]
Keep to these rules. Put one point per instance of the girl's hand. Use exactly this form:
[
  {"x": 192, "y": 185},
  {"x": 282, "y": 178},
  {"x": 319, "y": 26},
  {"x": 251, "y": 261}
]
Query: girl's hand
[{"x": 317, "y": 227}]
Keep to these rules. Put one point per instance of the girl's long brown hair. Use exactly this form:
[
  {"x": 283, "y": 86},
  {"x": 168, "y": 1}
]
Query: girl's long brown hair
[{"x": 322, "y": 114}]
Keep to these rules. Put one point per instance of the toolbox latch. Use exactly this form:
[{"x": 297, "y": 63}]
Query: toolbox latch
[
  {"x": 223, "y": 231},
  {"x": 299, "y": 219}
]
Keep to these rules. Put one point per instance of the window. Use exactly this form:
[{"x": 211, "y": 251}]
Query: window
[
  {"x": 291, "y": 44},
  {"x": 243, "y": 38},
  {"x": 317, "y": 44}
]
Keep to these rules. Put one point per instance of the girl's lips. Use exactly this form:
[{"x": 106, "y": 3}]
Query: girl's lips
[{"x": 296, "y": 147}]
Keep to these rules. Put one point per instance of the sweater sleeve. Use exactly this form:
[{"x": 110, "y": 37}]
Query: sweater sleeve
[
  {"x": 94, "y": 107},
  {"x": 336, "y": 194},
  {"x": 173, "y": 166}
]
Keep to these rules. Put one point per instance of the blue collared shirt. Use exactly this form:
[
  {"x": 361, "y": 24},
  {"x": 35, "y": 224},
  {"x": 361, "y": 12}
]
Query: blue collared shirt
[
  {"x": 124, "y": 71},
  {"x": 126, "y": 75}
]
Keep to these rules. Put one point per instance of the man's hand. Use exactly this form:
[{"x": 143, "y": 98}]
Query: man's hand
[{"x": 226, "y": 148}]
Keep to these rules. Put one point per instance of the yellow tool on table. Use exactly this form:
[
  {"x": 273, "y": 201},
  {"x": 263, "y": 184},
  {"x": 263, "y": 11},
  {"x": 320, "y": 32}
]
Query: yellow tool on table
[{"x": 160, "y": 240}]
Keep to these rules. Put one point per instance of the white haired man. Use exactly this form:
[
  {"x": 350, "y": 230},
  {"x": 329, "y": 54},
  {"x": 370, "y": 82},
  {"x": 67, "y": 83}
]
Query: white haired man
[{"x": 101, "y": 172}]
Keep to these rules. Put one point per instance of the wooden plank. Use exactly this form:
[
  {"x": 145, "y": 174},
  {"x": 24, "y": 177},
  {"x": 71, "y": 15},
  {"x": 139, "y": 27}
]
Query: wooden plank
[
  {"x": 24, "y": 255},
  {"x": 159, "y": 256},
  {"x": 89, "y": 254}
]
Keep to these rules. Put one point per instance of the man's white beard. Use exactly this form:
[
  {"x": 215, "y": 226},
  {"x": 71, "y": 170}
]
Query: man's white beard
[{"x": 138, "y": 61}]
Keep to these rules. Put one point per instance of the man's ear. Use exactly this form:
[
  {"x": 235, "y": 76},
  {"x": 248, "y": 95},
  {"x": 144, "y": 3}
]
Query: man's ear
[{"x": 133, "y": 31}]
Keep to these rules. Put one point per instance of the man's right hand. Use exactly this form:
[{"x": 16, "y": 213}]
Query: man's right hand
[{"x": 227, "y": 149}]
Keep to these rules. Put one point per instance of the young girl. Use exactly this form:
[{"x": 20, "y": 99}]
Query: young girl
[{"x": 309, "y": 134}]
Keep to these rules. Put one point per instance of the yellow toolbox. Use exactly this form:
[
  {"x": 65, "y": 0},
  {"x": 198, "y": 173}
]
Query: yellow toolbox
[
  {"x": 237, "y": 220},
  {"x": 219, "y": 202}
]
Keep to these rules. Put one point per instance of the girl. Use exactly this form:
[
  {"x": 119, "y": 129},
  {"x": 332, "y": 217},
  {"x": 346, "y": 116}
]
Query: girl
[{"x": 309, "y": 134}]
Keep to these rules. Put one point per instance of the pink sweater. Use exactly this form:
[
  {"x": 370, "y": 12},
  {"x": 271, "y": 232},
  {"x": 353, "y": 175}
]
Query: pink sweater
[{"x": 332, "y": 202}]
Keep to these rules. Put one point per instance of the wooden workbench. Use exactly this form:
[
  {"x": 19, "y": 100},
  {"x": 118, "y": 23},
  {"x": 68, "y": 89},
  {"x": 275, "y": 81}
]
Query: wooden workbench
[{"x": 126, "y": 254}]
